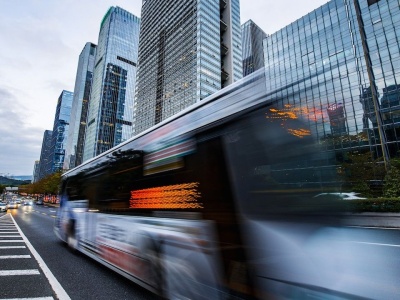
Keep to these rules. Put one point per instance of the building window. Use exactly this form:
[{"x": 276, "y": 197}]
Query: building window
[{"x": 370, "y": 2}]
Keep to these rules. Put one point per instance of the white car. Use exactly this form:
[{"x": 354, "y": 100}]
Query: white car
[
  {"x": 341, "y": 196},
  {"x": 3, "y": 206},
  {"x": 12, "y": 204}
]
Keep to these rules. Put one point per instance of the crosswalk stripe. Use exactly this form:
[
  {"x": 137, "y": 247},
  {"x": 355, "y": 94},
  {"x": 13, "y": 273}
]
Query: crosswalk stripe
[
  {"x": 11, "y": 241},
  {"x": 14, "y": 256},
  {"x": 19, "y": 272},
  {"x": 12, "y": 247},
  {"x": 41, "y": 298}
]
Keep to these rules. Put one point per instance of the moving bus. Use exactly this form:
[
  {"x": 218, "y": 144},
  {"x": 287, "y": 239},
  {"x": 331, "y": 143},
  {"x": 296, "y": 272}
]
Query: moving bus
[{"x": 213, "y": 203}]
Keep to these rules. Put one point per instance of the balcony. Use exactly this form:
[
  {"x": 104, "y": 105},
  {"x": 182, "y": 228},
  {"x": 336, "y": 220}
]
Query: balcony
[
  {"x": 224, "y": 75},
  {"x": 222, "y": 4},
  {"x": 223, "y": 26},
  {"x": 224, "y": 49}
]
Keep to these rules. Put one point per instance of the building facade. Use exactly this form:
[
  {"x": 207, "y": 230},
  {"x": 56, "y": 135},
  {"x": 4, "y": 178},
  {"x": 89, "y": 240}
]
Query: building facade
[
  {"x": 45, "y": 155},
  {"x": 110, "y": 115},
  {"x": 36, "y": 169},
  {"x": 80, "y": 104},
  {"x": 252, "y": 47},
  {"x": 185, "y": 55},
  {"x": 60, "y": 130},
  {"x": 339, "y": 67}
]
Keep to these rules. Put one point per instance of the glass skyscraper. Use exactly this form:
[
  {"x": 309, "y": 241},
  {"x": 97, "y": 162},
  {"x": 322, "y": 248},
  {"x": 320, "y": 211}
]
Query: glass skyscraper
[
  {"x": 188, "y": 50},
  {"x": 80, "y": 104},
  {"x": 36, "y": 169},
  {"x": 110, "y": 116},
  {"x": 45, "y": 155},
  {"x": 339, "y": 66},
  {"x": 252, "y": 47},
  {"x": 60, "y": 130}
]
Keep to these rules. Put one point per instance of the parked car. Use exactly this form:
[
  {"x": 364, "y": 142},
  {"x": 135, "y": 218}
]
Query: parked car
[{"x": 3, "y": 206}]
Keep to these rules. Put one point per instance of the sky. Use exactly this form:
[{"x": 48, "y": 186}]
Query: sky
[{"x": 40, "y": 44}]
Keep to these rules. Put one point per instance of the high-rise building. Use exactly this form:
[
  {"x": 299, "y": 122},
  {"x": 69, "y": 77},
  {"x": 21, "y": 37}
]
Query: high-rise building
[
  {"x": 60, "y": 130},
  {"x": 339, "y": 66},
  {"x": 80, "y": 104},
  {"x": 252, "y": 47},
  {"x": 45, "y": 155},
  {"x": 188, "y": 50},
  {"x": 36, "y": 169},
  {"x": 110, "y": 114}
]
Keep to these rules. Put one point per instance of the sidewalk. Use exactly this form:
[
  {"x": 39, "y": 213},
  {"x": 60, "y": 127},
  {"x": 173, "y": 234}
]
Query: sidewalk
[{"x": 371, "y": 219}]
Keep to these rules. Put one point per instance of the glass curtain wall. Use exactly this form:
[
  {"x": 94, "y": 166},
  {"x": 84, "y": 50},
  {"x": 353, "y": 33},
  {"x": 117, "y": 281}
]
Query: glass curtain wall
[{"x": 317, "y": 67}]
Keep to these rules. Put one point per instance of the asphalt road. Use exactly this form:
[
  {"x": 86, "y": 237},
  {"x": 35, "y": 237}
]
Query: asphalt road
[
  {"x": 79, "y": 276},
  {"x": 361, "y": 260}
]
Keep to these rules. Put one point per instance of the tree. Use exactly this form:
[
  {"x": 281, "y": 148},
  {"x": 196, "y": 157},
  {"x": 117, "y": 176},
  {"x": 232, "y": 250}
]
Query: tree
[
  {"x": 47, "y": 185},
  {"x": 358, "y": 169},
  {"x": 391, "y": 188}
]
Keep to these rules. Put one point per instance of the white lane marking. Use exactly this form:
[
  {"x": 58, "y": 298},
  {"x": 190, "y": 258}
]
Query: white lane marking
[
  {"x": 375, "y": 227},
  {"x": 376, "y": 244},
  {"x": 41, "y": 298},
  {"x": 11, "y": 241},
  {"x": 57, "y": 288},
  {"x": 19, "y": 272},
  {"x": 52, "y": 210},
  {"x": 12, "y": 247},
  {"x": 1, "y": 236},
  {"x": 14, "y": 256}
]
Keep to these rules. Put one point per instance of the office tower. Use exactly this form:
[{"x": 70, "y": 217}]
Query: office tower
[
  {"x": 45, "y": 155},
  {"x": 80, "y": 104},
  {"x": 36, "y": 169},
  {"x": 110, "y": 114},
  {"x": 188, "y": 50},
  {"x": 339, "y": 67},
  {"x": 252, "y": 47},
  {"x": 60, "y": 130}
]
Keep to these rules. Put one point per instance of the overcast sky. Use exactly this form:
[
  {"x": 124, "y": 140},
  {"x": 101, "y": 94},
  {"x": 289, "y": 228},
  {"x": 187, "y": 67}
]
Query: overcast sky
[{"x": 40, "y": 43}]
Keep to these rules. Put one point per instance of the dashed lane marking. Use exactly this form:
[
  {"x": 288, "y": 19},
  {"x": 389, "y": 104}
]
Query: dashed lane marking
[{"x": 376, "y": 244}]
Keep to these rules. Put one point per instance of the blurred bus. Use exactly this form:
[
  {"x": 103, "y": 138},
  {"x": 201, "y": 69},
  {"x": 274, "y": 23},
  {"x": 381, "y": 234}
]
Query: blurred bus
[{"x": 209, "y": 203}]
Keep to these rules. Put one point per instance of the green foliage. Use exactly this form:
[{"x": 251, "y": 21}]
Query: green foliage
[
  {"x": 373, "y": 205},
  {"x": 363, "y": 188},
  {"x": 392, "y": 183},
  {"x": 358, "y": 169},
  {"x": 47, "y": 185}
]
